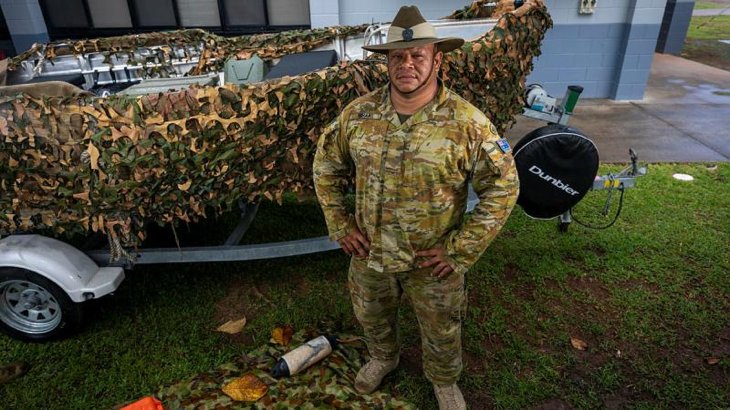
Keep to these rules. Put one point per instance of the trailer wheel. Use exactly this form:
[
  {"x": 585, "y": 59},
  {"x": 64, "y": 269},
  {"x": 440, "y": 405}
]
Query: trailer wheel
[{"x": 34, "y": 309}]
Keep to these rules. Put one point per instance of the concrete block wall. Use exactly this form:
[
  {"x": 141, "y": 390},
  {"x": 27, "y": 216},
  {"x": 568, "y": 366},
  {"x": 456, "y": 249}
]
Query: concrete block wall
[
  {"x": 608, "y": 52},
  {"x": 677, "y": 16},
  {"x": 25, "y": 23},
  {"x": 643, "y": 23},
  {"x": 352, "y": 12}
]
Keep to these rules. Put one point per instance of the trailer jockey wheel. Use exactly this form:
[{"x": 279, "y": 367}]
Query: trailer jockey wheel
[{"x": 557, "y": 166}]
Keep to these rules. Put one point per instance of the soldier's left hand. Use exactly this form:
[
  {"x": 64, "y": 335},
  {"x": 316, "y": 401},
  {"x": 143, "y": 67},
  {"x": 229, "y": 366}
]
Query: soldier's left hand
[{"x": 442, "y": 269}]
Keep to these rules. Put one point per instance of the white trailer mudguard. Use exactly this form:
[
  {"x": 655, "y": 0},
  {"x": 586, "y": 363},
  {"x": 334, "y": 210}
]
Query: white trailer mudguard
[{"x": 69, "y": 268}]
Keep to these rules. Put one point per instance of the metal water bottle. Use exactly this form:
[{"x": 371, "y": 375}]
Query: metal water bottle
[{"x": 304, "y": 356}]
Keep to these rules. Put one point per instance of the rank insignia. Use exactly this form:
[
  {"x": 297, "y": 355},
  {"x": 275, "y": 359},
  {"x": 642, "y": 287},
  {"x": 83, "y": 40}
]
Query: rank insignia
[
  {"x": 503, "y": 145},
  {"x": 364, "y": 115}
]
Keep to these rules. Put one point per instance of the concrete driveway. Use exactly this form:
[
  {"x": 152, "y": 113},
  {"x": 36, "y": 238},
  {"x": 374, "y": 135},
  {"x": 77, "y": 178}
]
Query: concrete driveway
[{"x": 684, "y": 117}]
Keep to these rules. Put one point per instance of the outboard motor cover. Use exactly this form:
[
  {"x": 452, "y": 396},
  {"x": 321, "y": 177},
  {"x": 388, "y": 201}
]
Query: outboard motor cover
[{"x": 557, "y": 166}]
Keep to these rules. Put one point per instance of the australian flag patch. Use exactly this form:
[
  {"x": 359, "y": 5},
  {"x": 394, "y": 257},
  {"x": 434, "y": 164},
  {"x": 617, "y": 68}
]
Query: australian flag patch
[{"x": 503, "y": 145}]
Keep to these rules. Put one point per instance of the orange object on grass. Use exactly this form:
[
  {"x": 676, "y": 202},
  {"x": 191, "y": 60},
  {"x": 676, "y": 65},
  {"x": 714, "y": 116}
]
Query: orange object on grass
[{"x": 148, "y": 403}]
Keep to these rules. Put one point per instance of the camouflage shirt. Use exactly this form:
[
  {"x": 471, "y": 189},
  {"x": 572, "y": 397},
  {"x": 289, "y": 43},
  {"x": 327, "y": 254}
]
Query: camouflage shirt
[{"x": 411, "y": 179}]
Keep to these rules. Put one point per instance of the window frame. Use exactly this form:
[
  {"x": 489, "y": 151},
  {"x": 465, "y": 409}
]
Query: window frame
[{"x": 62, "y": 33}]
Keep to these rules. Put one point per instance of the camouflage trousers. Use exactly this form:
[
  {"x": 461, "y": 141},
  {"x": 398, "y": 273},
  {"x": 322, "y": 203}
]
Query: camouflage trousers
[{"x": 439, "y": 304}]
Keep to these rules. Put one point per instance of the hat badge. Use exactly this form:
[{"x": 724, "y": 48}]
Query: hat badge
[{"x": 407, "y": 34}]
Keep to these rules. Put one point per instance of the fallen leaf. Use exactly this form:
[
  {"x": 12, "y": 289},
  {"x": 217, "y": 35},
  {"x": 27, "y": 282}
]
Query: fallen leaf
[
  {"x": 246, "y": 388},
  {"x": 578, "y": 344},
  {"x": 232, "y": 326},
  {"x": 282, "y": 335},
  {"x": 712, "y": 360}
]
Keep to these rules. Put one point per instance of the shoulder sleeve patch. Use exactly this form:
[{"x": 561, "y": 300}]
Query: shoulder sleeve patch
[{"x": 503, "y": 145}]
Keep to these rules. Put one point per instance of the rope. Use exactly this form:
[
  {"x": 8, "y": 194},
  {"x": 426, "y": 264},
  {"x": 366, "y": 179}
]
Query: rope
[{"x": 116, "y": 250}]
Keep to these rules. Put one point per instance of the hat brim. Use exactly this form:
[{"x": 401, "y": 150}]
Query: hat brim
[{"x": 444, "y": 44}]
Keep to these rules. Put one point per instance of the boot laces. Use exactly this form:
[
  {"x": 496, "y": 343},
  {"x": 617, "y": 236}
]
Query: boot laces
[
  {"x": 375, "y": 368},
  {"x": 448, "y": 393}
]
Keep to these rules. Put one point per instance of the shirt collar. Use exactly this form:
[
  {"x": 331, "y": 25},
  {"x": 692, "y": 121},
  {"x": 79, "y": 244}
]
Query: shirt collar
[{"x": 387, "y": 111}]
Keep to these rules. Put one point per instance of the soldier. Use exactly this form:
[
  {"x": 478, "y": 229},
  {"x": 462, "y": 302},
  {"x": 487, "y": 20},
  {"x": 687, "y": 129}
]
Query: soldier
[{"x": 413, "y": 146}]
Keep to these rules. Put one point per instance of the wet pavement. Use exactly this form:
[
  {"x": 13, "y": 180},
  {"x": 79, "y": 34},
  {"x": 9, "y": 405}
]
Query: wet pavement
[{"x": 684, "y": 117}]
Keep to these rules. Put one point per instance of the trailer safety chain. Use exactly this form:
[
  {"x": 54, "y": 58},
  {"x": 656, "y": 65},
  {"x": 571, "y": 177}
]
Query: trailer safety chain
[
  {"x": 605, "y": 212},
  {"x": 116, "y": 250},
  {"x": 607, "y": 207}
]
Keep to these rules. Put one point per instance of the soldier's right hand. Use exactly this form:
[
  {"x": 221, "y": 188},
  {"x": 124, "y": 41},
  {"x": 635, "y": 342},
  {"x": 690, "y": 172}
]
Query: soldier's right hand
[{"x": 355, "y": 243}]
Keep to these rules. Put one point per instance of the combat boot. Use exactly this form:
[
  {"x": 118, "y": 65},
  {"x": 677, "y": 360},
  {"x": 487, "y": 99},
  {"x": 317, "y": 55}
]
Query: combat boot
[
  {"x": 369, "y": 377},
  {"x": 449, "y": 397}
]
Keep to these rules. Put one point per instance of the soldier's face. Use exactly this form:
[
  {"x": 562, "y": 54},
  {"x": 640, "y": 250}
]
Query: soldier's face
[{"x": 410, "y": 68}]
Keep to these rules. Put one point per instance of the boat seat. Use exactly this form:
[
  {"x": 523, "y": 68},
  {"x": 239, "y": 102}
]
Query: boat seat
[{"x": 300, "y": 63}]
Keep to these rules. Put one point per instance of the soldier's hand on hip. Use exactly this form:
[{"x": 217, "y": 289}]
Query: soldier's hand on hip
[
  {"x": 442, "y": 269},
  {"x": 355, "y": 243}
]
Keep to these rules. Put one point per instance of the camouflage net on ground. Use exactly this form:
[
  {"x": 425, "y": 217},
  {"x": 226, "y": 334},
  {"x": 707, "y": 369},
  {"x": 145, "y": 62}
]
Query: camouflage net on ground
[
  {"x": 215, "y": 49},
  {"x": 328, "y": 384},
  {"x": 78, "y": 164}
]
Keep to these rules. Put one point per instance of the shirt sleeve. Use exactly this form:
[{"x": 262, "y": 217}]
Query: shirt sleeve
[
  {"x": 332, "y": 171},
  {"x": 495, "y": 181}
]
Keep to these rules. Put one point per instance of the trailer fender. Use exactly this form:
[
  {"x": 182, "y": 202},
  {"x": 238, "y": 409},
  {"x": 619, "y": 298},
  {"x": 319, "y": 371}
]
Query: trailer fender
[{"x": 61, "y": 263}]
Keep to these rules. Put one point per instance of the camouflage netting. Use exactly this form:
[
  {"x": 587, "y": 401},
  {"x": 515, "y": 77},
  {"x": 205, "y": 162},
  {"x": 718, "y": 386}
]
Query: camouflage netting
[
  {"x": 481, "y": 9},
  {"x": 215, "y": 49},
  {"x": 79, "y": 164},
  {"x": 329, "y": 383}
]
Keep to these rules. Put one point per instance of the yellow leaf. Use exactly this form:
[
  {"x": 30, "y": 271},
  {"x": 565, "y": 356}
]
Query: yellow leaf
[
  {"x": 233, "y": 326},
  {"x": 578, "y": 344},
  {"x": 94, "y": 155},
  {"x": 712, "y": 360},
  {"x": 185, "y": 186},
  {"x": 246, "y": 388},
  {"x": 282, "y": 335}
]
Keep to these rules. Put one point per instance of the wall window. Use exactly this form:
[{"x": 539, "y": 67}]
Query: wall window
[
  {"x": 288, "y": 12},
  {"x": 110, "y": 13},
  {"x": 98, "y": 18},
  {"x": 66, "y": 13},
  {"x": 199, "y": 13},
  {"x": 245, "y": 12},
  {"x": 155, "y": 13}
]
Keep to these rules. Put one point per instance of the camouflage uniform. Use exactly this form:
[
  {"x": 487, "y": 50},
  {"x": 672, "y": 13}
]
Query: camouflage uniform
[{"x": 411, "y": 192}]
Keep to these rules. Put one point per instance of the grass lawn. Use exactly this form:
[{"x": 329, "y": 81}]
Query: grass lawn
[
  {"x": 650, "y": 297},
  {"x": 701, "y": 44},
  {"x": 705, "y": 6},
  {"x": 709, "y": 28}
]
